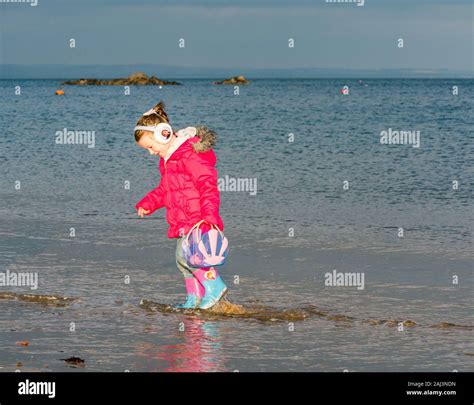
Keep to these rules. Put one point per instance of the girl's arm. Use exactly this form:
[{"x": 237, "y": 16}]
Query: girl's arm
[
  {"x": 204, "y": 176},
  {"x": 153, "y": 200}
]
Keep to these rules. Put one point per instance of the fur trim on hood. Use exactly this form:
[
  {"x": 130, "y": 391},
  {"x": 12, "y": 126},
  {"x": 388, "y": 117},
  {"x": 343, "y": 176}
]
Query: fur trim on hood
[{"x": 208, "y": 139}]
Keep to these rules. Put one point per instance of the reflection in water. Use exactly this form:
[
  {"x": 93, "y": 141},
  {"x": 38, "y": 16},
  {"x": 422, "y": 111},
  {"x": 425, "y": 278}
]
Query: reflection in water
[{"x": 199, "y": 351}]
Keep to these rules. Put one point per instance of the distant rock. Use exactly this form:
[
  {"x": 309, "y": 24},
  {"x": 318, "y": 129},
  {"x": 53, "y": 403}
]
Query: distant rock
[
  {"x": 135, "y": 79},
  {"x": 75, "y": 362},
  {"x": 234, "y": 80}
]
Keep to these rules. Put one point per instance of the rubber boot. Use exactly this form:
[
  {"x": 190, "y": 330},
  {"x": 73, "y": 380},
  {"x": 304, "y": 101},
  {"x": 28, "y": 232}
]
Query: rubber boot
[
  {"x": 195, "y": 293},
  {"x": 213, "y": 284}
]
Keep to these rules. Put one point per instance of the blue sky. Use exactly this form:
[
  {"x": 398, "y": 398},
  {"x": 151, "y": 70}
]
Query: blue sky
[{"x": 247, "y": 33}]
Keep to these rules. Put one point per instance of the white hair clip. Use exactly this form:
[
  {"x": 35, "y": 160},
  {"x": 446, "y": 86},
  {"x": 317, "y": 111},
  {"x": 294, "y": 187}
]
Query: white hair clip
[{"x": 149, "y": 112}]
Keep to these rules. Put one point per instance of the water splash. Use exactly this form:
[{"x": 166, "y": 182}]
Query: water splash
[
  {"x": 227, "y": 309},
  {"x": 263, "y": 313}
]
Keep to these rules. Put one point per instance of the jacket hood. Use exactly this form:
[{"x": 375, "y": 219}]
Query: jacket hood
[{"x": 201, "y": 138}]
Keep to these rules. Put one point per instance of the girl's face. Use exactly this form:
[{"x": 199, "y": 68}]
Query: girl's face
[{"x": 153, "y": 146}]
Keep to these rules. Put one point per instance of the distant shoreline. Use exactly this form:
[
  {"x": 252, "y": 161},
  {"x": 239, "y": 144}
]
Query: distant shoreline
[
  {"x": 211, "y": 79},
  {"x": 74, "y": 72}
]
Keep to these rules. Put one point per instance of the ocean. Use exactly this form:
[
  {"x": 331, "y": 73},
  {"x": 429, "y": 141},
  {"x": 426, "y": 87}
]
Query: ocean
[{"x": 377, "y": 182}]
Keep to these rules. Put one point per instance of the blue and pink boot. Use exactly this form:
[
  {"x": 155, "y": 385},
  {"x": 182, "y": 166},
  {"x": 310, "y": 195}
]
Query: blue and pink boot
[
  {"x": 195, "y": 292},
  {"x": 213, "y": 284}
]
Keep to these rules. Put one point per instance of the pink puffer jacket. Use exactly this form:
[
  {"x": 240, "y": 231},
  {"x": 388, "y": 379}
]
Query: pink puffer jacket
[{"x": 188, "y": 189}]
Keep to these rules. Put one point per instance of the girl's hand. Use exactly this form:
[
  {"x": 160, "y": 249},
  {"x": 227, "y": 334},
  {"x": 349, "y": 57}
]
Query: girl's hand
[
  {"x": 207, "y": 226},
  {"x": 142, "y": 212}
]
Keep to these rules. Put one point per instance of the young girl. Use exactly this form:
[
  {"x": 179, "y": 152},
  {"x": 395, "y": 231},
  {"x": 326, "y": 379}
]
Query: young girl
[{"x": 188, "y": 190}]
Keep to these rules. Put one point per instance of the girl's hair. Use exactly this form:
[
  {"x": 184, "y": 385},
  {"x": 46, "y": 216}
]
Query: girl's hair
[{"x": 152, "y": 119}]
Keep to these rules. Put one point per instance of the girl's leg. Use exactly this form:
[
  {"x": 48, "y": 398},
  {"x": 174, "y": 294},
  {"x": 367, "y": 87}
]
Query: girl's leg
[
  {"x": 181, "y": 262},
  {"x": 194, "y": 288}
]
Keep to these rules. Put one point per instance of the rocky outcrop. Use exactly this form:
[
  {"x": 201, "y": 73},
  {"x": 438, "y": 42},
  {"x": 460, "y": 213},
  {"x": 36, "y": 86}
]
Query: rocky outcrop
[
  {"x": 135, "y": 79},
  {"x": 234, "y": 80}
]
